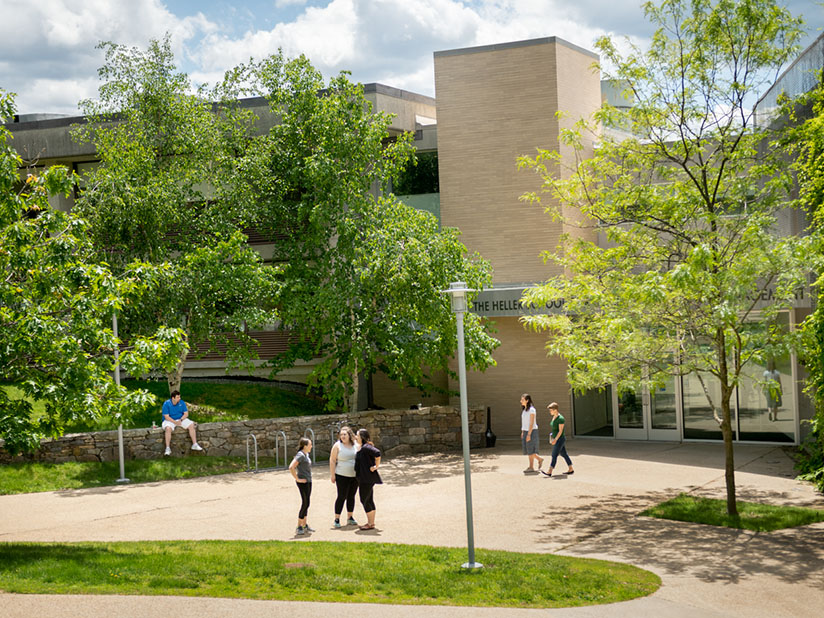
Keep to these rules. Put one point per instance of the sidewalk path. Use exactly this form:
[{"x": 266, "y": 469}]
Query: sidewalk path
[{"x": 705, "y": 571}]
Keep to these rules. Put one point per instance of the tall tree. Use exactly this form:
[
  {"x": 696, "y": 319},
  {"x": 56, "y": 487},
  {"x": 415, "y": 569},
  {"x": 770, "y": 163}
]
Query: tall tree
[
  {"x": 686, "y": 208},
  {"x": 56, "y": 306},
  {"x": 158, "y": 196},
  {"x": 361, "y": 275},
  {"x": 806, "y": 137}
]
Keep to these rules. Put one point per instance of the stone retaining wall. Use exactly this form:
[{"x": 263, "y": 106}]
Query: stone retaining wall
[{"x": 395, "y": 432}]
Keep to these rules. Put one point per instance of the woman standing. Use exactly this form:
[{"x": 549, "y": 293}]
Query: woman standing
[
  {"x": 301, "y": 469},
  {"x": 342, "y": 473},
  {"x": 530, "y": 440},
  {"x": 367, "y": 462},
  {"x": 557, "y": 439}
]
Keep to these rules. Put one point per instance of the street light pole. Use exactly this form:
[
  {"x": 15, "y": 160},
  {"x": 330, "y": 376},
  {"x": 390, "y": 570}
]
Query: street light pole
[
  {"x": 122, "y": 478},
  {"x": 457, "y": 292}
]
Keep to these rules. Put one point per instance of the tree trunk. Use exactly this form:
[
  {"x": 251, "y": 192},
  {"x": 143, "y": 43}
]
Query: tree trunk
[
  {"x": 175, "y": 376},
  {"x": 353, "y": 402},
  {"x": 726, "y": 424}
]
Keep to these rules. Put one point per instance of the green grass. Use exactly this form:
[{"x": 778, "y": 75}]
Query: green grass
[
  {"x": 223, "y": 401},
  {"x": 752, "y": 515},
  {"x": 319, "y": 571},
  {"x": 35, "y": 477}
]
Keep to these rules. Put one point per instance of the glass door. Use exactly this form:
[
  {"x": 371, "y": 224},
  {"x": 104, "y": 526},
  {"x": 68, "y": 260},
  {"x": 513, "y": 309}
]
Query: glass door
[
  {"x": 644, "y": 414},
  {"x": 630, "y": 422}
]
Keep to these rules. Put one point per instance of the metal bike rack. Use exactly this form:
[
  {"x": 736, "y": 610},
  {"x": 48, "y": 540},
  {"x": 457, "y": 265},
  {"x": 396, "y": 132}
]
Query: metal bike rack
[
  {"x": 311, "y": 431},
  {"x": 251, "y": 436},
  {"x": 278, "y": 441}
]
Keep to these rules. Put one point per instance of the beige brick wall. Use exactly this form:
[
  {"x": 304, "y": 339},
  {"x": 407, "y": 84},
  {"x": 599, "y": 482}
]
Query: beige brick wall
[
  {"x": 389, "y": 394},
  {"x": 494, "y": 104},
  {"x": 523, "y": 367}
]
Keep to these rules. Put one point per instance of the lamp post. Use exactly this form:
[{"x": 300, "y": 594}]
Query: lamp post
[
  {"x": 122, "y": 478},
  {"x": 457, "y": 292}
]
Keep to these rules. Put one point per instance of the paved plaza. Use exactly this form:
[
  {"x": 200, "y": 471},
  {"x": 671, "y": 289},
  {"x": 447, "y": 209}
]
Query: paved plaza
[{"x": 706, "y": 571}]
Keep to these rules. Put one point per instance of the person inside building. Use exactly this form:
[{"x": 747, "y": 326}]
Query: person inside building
[{"x": 175, "y": 414}]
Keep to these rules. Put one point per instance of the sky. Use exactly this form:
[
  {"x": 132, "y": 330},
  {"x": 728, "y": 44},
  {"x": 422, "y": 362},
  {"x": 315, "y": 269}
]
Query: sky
[{"x": 49, "y": 59}]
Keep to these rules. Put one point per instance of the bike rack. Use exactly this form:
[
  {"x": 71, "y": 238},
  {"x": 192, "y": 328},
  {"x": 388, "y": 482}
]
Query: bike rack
[
  {"x": 309, "y": 430},
  {"x": 278, "y": 437},
  {"x": 278, "y": 442},
  {"x": 248, "y": 463}
]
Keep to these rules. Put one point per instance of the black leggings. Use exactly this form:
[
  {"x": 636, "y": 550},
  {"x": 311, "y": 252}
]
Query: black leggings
[
  {"x": 347, "y": 488},
  {"x": 305, "y": 490},
  {"x": 366, "y": 497}
]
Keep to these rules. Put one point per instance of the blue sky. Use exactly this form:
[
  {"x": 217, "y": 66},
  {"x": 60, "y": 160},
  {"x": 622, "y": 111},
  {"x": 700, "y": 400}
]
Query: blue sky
[{"x": 48, "y": 56}]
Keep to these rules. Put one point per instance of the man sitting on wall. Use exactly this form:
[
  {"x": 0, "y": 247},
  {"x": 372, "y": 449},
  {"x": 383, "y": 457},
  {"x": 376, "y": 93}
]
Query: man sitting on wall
[{"x": 176, "y": 414}]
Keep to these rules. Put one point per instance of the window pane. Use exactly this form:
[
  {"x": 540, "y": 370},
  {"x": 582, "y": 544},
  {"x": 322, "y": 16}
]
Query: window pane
[
  {"x": 593, "y": 412},
  {"x": 699, "y": 423}
]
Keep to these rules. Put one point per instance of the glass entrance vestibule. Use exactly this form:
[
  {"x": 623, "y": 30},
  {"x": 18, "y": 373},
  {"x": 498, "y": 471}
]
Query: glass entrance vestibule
[{"x": 764, "y": 408}]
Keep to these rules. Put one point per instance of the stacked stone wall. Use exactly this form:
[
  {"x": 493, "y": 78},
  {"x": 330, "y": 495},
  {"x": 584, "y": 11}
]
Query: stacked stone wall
[{"x": 395, "y": 432}]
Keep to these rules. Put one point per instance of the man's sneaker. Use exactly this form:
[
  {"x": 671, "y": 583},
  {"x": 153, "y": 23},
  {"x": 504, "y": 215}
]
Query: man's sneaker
[
  {"x": 300, "y": 531},
  {"x": 308, "y": 529},
  {"x": 351, "y": 522},
  {"x": 196, "y": 447},
  {"x": 168, "y": 451},
  {"x": 337, "y": 523}
]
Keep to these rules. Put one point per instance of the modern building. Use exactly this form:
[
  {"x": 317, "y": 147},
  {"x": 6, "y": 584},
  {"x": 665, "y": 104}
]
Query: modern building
[{"x": 493, "y": 104}]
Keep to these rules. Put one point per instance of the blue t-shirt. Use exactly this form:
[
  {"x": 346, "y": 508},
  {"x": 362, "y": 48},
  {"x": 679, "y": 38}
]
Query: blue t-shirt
[{"x": 175, "y": 412}]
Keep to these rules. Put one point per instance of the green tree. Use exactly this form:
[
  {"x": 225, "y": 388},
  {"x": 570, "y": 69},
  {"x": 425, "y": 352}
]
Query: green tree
[
  {"x": 806, "y": 136},
  {"x": 56, "y": 306},
  {"x": 686, "y": 208},
  {"x": 360, "y": 275},
  {"x": 158, "y": 195}
]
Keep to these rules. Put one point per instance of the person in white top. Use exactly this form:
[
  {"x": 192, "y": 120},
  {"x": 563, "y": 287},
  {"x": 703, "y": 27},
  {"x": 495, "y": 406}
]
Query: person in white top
[
  {"x": 342, "y": 473},
  {"x": 530, "y": 439}
]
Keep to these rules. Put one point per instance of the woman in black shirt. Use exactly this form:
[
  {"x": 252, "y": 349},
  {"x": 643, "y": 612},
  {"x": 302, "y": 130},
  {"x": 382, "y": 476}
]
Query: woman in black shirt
[{"x": 367, "y": 462}]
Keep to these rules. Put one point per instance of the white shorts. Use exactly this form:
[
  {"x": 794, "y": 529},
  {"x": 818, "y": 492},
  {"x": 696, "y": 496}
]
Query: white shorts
[{"x": 185, "y": 423}]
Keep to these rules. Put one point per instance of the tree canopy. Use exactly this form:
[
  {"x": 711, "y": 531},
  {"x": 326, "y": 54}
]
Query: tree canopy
[
  {"x": 360, "y": 273},
  {"x": 56, "y": 307},
  {"x": 675, "y": 217},
  {"x": 159, "y": 195}
]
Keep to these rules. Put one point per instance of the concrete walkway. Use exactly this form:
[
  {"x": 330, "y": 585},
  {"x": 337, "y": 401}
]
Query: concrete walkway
[{"x": 705, "y": 571}]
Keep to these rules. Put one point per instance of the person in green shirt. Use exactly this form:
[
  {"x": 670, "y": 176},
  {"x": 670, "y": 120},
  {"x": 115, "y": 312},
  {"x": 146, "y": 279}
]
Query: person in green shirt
[{"x": 557, "y": 439}]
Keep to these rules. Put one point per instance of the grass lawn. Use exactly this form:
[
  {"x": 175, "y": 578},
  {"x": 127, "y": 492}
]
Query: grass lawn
[
  {"x": 220, "y": 401},
  {"x": 319, "y": 571},
  {"x": 752, "y": 515},
  {"x": 34, "y": 477}
]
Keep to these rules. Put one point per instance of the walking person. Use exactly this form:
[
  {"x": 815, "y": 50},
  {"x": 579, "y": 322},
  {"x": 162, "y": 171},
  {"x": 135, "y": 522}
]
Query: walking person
[
  {"x": 530, "y": 439},
  {"x": 367, "y": 462},
  {"x": 342, "y": 473},
  {"x": 301, "y": 469},
  {"x": 557, "y": 439}
]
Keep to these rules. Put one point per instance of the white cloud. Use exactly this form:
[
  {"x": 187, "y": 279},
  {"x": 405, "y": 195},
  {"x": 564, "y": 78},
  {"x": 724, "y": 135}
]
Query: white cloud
[
  {"x": 388, "y": 41},
  {"x": 49, "y": 46}
]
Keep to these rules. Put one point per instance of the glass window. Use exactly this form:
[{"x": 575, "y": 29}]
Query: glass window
[
  {"x": 662, "y": 406},
  {"x": 766, "y": 410},
  {"x": 699, "y": 422},
  {"x": 593, "y": 412}
]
